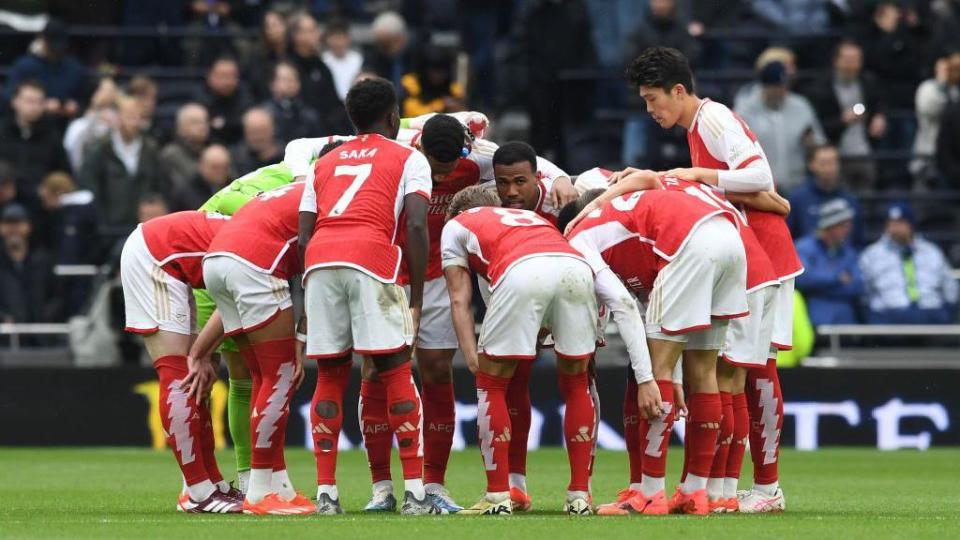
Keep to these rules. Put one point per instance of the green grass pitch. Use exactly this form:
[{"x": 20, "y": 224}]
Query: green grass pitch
[{"x": 126, "y": 493}]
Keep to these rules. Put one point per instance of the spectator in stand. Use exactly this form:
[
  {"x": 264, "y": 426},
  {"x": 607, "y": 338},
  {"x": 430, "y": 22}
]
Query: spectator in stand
[
  {"x": 753, "y": 89},
  {"x": 96, "y": 122},
  {"x": 831, "y": 282},
  {"x": 315, "y": 78},
  {"x": 259, "y": 147},
  {"x": 70, "y": 234},
  {"x": 270, "y": 48},
  {"x": 908, "y": 279},
  {"x": 932, "y": 99},
  {"x": 213, "y": 173},
  {"x": 292, "y": 118},
  {"x": 785, "y": 124},
  {"x": 11, "y": 194},
  {"x": 28, "y": 139},
  {"x": 178, "y": 159},
  {"x": 824, "y": 183},
  {"x": 143, "y": 89},
  {"x": 62, "y": 76},
  {"x": 225, "y": 99},
  {"x": 793, "y": 16},
  {"x": 344, "y": 62},
  {"x": 948, "y": 147},
  {"x": 151, "y": 205},
  {"x": 389, "y": 55},
  {"x": 431, "y": 88},
  {"x": 848, "y": 105},
  {"x": 28, "y": 289},
  {"x": 122, "y": 167},
  {"x": 213, "y": 16}
]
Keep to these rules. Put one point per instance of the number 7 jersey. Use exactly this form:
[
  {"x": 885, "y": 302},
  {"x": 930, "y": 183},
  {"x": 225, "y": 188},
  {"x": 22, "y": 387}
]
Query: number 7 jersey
[{"x": 357, "y": 193}]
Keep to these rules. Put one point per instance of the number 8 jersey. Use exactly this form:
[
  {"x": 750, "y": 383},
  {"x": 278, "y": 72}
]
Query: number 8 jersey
[
  {"x": 357, "y": 193},
  {"x": 490, "y": 241}
]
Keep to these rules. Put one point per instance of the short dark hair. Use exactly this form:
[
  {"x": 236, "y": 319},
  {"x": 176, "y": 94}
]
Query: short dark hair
[
  {"x": 337, "y": 26},
  {"x": 276, "y": 67},
  {"x": 370, "y": 101},
  {"x": 817, "y": 148},
  {"x": 29, "y": 83},
  {"x": 573, "y": 209},
  {"x": 443, "y": 138},
  {"x": 224, "y": 58},
  {"x": 661, "y": 67},
  {"x": 7, "y": 173},
  {"x": 515, "y": 152},
  {"x": 846, "y": 42},
  {"x": 329, "y": 147}
]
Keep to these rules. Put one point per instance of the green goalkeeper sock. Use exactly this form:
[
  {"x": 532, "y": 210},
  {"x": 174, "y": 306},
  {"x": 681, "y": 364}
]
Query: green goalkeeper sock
[{"x": 238, "y": 417}]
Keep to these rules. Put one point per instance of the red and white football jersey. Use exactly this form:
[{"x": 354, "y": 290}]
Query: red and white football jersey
[
  {"x": 719, "y": 139},
  {"x": 490, "y": 241},
  {"x": 474, "y": 169},
  {"x": 760, "y": 271},
  {"x": 547, "y": 174},
  {"x": 357, "y": 193},
  {"x": 179, "y": 241},
  {"x": 638, "y": 233},
  {"x": 263, "y": 234}
]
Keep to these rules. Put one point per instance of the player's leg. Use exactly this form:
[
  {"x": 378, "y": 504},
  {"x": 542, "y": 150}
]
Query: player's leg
[
  {"x": 519, "y": 407},
  {"x": 377, "y": 438},
  {"x": 330, "y": 343},
  {"x": 741, "y": 432},
  {"x": 439, "y": 419},
  {"x": 382, "y": 328},
  {"x": 726, "y": 374}
]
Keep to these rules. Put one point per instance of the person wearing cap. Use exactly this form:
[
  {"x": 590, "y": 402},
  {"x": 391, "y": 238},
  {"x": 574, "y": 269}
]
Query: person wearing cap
[
  {"x": 831, "y": 282},
  {"x": 908, "y": 279},
  {"x": 47, "y": 61},
  {"x": 785, "y": 124},
  {"x": 28, "y": 288}
]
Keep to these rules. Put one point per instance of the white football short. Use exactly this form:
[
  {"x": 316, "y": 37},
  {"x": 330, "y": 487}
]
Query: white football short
[
  {"x": 701, "y": 289},
  {"x": 748, "y": 338},
  {"x": 783, "y": 322},
  {"x": 348, "y": 309},
  {"x": 552, "y": 292},
  {"x": 436, "y": 322},
  {"x": 247, "y": 299},
  {"x": 153, "y": 299}
]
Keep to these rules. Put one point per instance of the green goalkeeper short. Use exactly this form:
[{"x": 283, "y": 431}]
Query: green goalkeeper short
[{"x": 205, "y": 307}]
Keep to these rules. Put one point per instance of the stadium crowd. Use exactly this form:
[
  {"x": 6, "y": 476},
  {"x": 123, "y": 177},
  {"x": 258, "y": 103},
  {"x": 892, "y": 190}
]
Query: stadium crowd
[{"x": 96, "y": 135}]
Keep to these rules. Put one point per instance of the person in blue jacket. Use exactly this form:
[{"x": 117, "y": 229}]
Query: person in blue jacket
[{"x": 824, "y": 183}]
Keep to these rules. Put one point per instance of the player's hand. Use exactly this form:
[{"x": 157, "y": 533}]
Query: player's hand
[
  {"x": 415, "y": 317},
  {"x": 679, "y": 402},
  {"x": 620, "y": 175},
  {"x": 649, "y": 400},
  {"x": 200, "y": 378},
  {"x": 691, "y": 174},
  {"x": 298, "y": 373},
  {"x": 473, "y": 363},
  {"x": 563, "y": 192}
]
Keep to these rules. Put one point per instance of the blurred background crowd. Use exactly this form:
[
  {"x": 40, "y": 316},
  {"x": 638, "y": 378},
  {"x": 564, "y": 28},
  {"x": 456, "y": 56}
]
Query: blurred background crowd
[{"x": 116, "y": 111}]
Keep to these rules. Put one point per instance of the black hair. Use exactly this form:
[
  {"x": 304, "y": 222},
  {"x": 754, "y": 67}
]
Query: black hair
[
  {"x": 224, "y": 58},
  {"x": 29, "y": 83},
  {"x": 817, "y": 148},
  {"x": 661, "y": 67},
  {"x": 370, "y": 101},
  {"x": 443, "y": 138},
  {"x": 515, "y": 152},
  {"x": 573, "y": 209},
  {"x": 329, "y": 147},
  {"x": 337, "y": 26},
  {"x": 846, "y": 42},
  {"x": 276, "y": 66},
  {"x": 6, "y": 173}
]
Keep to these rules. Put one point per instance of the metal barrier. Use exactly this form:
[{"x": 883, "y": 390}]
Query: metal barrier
[
  {"x": 15, "y": 330},
  {"x": 836, "y": 331}
]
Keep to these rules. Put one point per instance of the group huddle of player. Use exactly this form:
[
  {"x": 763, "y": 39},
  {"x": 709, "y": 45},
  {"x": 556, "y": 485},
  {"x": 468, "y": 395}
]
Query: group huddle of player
[{"x": 389, "y": 228}]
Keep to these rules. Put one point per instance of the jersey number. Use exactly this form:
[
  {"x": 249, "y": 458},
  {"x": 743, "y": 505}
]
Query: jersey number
[
  {"x": 275, "y": 193},
  {"x": 360, "y": 173},
  {"x": 518, "y": 218}
]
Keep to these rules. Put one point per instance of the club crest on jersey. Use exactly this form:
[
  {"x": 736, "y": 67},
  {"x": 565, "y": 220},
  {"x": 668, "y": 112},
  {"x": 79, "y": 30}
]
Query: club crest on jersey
[{"x": 365, "y": 153}]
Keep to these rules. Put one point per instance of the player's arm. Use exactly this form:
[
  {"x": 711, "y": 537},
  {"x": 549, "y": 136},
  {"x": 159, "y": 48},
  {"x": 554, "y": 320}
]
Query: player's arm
[
  {"x": 210, "y": 337},
  {"x": 763, "y": 201},
  {"x": 300, "y": 154},
  {"x": 418, "y": 241},
  {"x": 460, "y": 289},
  {"x": 307, "y": 220},
  {"x": 201, "y": 373},
  {"x": 561, "y": 187},
  {"x": 621, "y": 184},
  {"x": 626, "y": 314}
]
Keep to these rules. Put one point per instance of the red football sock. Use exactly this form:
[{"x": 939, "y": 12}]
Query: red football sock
[
  {"x": 209, "y": 444},
  {"x": 578, "y": 427},
  {"x": 326, "y": 417},
  {"x": 406, "y": 420},
  {"x": 725, "y": 437},
  {"x": 253, "y": 366},
  {"x": 493, "y": 428},
  {"x": 439, "y": 417},
  {"x": 518, "y": 405},
  {"x": 765, "y": 406},
  {"x": 655, "y": 435},
  {"x": 631, "y": 430},
  {"x": 377, "y": 437},
  {"x": 180, "y": 418},
  {"x": 741, "y": 431},
  {"x": 703, "y": 427},
  {"x": 268, "y": 429}
]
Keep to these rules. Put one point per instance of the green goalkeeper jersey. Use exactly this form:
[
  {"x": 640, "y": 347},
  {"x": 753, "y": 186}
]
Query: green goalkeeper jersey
[{"x": 239, "y": 192}]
